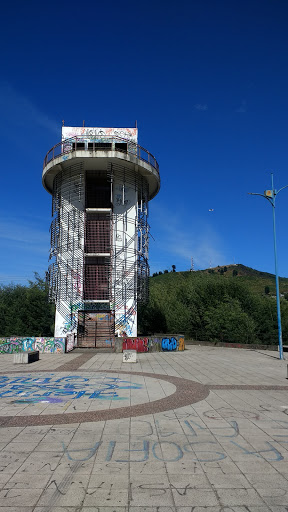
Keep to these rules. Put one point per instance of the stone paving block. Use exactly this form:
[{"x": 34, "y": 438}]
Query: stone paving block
[
  {"x": 222, "y": 467},
  {"x": 198, "y": 497},
  {"x": 40, "y": 462},
  {"x": 104, "y": 481},
  {"x": 153, "y": 509},
  {"x": 181, "y": 467},
  {"x": 256, "y": 466},
  {"x": 114, "y": 469},
  {"x": 233, "y": 497},
  {"x": 229, "y": 481},
  {"x": 151, "y": 494},
  {"x": 252, "y": 508},
  {"x": 55, "y": 509},
  {"x": 17, "y": 509},
  {"x": 96, "y": 497},
  {"x": 52, "y": 496},
  {"x": 19, "y": 497},
  {"x": 183, "y": 482},
  {"x": 10, "y": 462},
  {"x": 264, "y": 480},
  {"x": 22, "y": 447},
  {"x": 22, "y": 480},
  {"x": 81, "y": 467},
  {"x": 100, "y": 509},
  {"x": 274, "y": 495}
]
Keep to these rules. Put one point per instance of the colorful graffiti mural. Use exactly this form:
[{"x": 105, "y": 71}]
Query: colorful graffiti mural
[
  {"x": 125, "y": 322},
  {"x": 26, "y": 344},
  {"x": 181, "y": 343},
  {"x": 90, "y": 133},
  {"x": 139, "y": 344},
  {"x": 71, "y": 319},
  {"x": 170, "y": 343}
]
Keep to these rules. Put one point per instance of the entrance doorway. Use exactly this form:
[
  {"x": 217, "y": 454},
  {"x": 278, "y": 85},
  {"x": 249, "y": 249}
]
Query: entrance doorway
[{"x": 95, "y": 329}]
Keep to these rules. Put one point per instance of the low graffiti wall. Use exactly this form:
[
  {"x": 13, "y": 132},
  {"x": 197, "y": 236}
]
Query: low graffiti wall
[
  {"x": 164, "y": 343},
  {"x": 44, "y": 345}
]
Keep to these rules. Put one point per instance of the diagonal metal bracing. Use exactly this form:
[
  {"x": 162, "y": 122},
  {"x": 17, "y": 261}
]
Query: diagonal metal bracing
[{"x": 67, "y": 239}]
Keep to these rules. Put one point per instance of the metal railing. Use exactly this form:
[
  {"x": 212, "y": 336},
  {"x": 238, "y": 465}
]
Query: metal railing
[{"x": 107, "y": 143}]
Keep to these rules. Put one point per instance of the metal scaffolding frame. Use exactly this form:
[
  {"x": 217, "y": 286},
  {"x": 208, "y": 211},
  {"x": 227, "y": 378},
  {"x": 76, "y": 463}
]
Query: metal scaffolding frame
[
  {"x": 89, "y": 266},
  {"x": 130, "y": 268},
  {"x": 67, "y": 240}
]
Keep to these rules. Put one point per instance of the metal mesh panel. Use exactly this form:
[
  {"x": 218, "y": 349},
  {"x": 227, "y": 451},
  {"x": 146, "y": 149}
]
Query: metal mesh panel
[
  {"x": 97, "y": 278},
  {"x": 130, "y": 269},
  {"x": 67, "y": 236},
  {"x": 98, "y": 233}
]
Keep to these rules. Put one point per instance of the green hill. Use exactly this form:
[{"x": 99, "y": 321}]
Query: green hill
[
  {"x": 232, "y": 303},
  {"x": 256, "y": 280}
]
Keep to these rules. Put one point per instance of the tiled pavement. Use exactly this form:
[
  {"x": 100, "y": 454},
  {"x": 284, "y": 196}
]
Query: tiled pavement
[{"x": 205, "y": 430}]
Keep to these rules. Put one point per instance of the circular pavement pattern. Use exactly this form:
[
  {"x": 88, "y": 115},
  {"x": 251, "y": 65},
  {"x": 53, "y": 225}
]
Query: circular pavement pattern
[{"x": 116, "y": 390}]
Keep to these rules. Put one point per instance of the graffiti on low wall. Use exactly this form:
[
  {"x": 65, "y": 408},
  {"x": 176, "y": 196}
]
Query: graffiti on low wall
[
  {"x": 170, "y": 343},
  {"x": 21, "y": 344},
  {"x": 139, "y": 344}
]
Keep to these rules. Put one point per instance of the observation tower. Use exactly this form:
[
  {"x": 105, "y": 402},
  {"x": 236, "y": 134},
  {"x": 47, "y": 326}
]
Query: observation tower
[{"x": 101, "y": 181}]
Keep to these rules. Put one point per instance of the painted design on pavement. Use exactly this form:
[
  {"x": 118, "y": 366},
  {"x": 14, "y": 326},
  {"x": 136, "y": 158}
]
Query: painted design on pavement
[{"x": 52, "y": 388}]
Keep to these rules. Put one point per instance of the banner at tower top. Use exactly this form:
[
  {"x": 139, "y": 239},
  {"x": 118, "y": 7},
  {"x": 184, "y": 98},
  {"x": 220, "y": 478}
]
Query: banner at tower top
[{"x": 86, "y": 132}]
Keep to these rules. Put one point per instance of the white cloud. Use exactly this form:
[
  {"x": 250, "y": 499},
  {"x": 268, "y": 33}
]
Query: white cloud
[
  {"x": 25, "y": 236},
  {"x": 20, "y": 111},
  {"x": 201, "y": 106},
  {"x": 198, "y": 241},
  {"x": 243, "y": 107}
]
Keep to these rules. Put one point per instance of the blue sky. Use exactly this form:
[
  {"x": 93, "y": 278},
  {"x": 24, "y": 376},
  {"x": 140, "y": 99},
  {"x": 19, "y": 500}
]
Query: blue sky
[{"x": 207, "y": 82}]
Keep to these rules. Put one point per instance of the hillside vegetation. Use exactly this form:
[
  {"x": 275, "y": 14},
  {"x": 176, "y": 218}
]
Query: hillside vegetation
[{"x": 228, "y": 304}]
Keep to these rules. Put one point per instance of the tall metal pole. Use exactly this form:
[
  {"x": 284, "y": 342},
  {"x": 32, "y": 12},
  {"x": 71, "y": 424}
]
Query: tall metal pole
[
  {"x": 274, "y": 193},
  {"x": 271, "y": 196}
]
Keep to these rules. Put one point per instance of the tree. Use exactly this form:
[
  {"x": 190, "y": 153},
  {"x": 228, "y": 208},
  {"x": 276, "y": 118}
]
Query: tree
[
  {"x": 229, "y": 323},
  {"x": 235, "y": 272},
  {"x": 267, "y": 290},
  {"x": 173, "y": 268},
  {"x": 25, "y": 310},
  {"x": 204, "y": 306}
]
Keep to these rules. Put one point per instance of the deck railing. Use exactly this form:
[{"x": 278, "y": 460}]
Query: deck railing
[{"x": 107, "y": 143}]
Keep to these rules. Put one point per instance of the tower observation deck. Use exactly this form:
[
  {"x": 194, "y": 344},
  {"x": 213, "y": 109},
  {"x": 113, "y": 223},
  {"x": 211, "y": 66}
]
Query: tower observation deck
[{"x": 101, "y": 182}]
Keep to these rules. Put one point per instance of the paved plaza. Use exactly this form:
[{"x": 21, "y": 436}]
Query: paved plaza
[{"x": 204, "y": 430}]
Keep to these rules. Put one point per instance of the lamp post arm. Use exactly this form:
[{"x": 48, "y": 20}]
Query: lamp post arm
[
  {"x": 265, "y": 197},
  {"x": 281, "y": 189}
]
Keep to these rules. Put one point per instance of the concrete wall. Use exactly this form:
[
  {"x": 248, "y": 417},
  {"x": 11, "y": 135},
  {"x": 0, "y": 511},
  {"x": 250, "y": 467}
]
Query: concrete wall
[
  {"x": 44, "y": 345},
  {"x": 161, "y": 343}
]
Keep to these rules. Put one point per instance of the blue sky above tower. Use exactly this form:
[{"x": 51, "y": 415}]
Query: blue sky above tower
[{"x": 207, "y": 83}]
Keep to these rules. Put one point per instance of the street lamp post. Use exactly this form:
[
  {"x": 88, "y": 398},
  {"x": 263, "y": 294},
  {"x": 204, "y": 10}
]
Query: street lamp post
[{"x": 271, "y": 196}]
